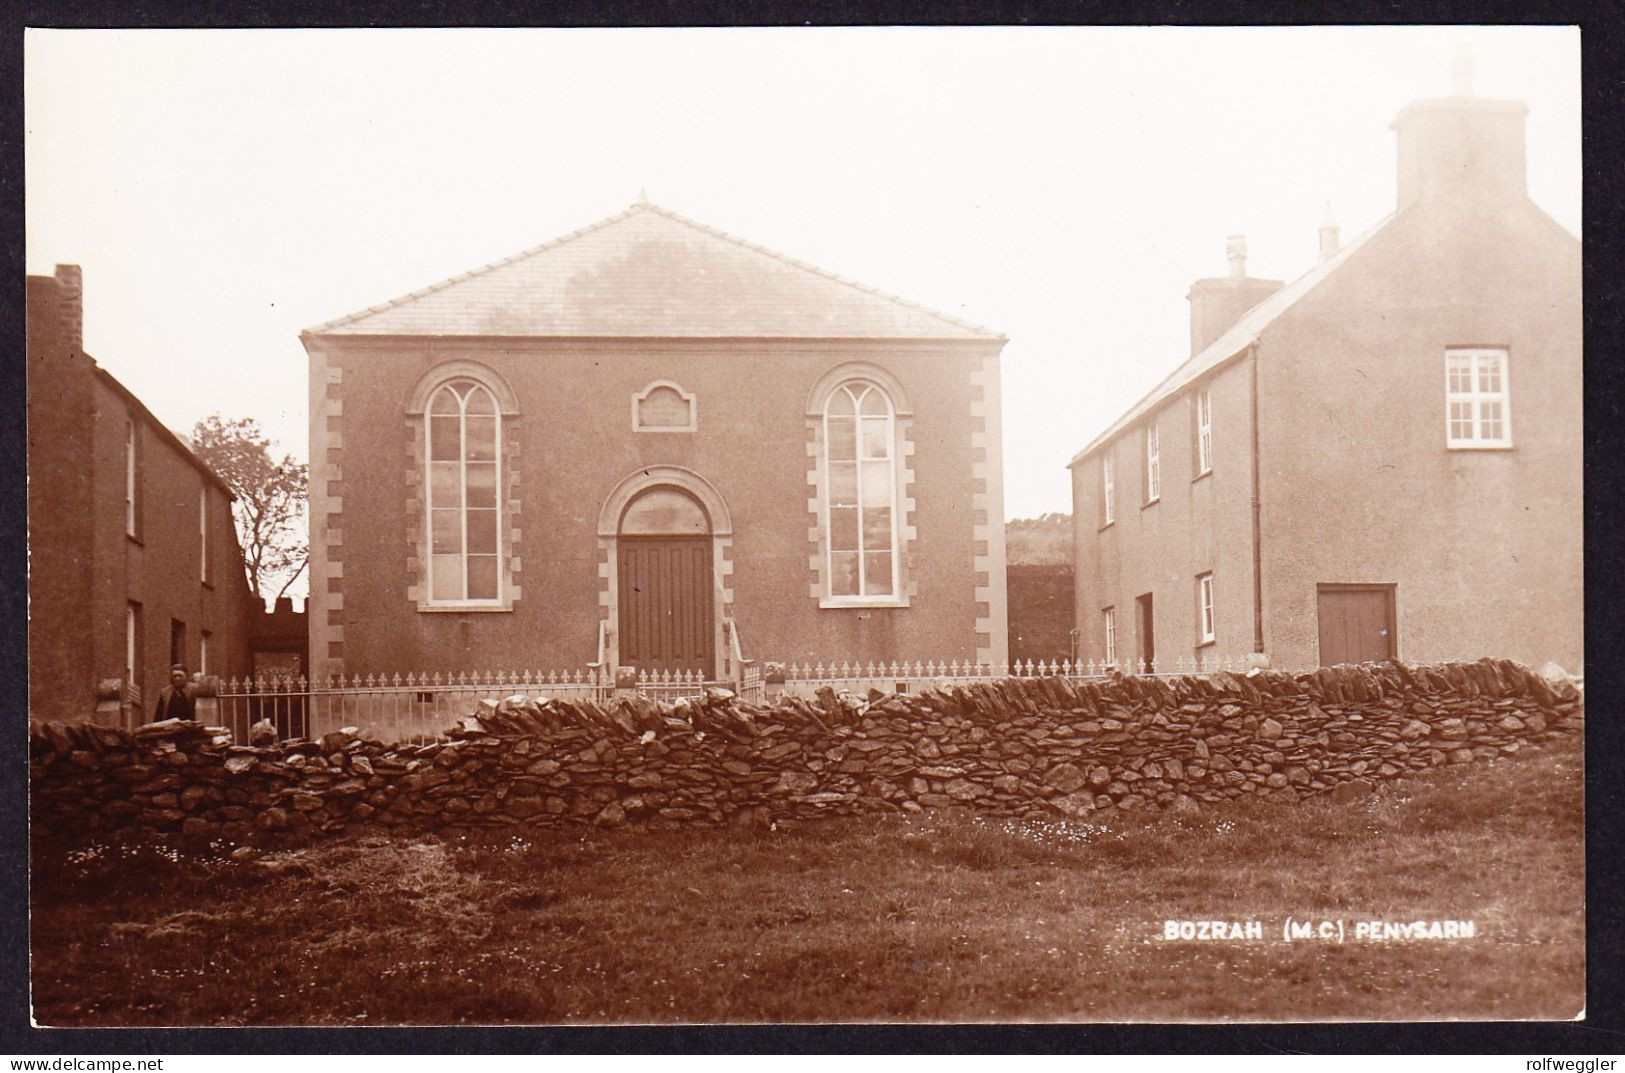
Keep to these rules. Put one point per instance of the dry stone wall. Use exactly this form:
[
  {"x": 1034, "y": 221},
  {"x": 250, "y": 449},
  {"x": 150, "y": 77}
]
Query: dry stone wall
[{"x": 1016, "y": 747}]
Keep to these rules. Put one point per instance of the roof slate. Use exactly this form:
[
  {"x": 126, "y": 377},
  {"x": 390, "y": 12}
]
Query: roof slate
[
  {"x": 650, "y": 272},
  {"x": 1235, "y": 339},
  {"x": 182, "y": 444}
]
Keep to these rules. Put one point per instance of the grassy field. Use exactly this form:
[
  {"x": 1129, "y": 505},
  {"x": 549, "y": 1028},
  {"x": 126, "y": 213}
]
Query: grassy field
[{"x": 924, "y": 919}]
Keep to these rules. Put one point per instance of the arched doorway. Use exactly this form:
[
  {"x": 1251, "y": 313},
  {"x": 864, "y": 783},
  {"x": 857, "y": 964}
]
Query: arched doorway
[{"x": 665, "y": 604}]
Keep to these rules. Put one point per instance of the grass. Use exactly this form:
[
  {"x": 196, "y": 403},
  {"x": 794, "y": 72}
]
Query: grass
[{"x": 933, "y": 918}]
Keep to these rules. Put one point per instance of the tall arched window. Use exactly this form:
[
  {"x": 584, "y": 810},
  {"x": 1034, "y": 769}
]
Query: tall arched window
[
  {"x": 465, "y": 516},
  {"x": 860, "y": 499}
]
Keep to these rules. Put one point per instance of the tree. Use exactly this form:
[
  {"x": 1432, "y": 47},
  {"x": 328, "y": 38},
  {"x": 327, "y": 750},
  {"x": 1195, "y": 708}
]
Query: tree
[{"x": 271, "y": 499}]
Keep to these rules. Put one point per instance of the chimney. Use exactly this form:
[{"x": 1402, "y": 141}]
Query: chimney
[
  {"x": 1461, "y": 145},
  {"x": 71, "y": 280},
  {"x": 1218, "y": 302},
  {"x": 1329, "y": 234}
]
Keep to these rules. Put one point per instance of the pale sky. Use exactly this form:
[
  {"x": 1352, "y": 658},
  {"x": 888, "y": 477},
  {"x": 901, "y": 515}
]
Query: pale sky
[{"x": 224, "y": 189}]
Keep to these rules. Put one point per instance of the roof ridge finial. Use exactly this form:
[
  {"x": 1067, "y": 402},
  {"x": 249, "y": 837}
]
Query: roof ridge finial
[{"x": 643, "y": 196}]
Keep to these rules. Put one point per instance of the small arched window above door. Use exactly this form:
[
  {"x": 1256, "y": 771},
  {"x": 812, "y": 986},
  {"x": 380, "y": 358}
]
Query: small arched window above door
[{"x": 664, "y": 512}]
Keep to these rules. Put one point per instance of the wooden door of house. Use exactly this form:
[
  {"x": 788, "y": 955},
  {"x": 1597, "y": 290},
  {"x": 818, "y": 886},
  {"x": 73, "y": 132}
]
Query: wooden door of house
[
  {"x": 667, "y": 600},
  {"x": 1356, "y": 623},
  {"x": 665, "y": 603}
]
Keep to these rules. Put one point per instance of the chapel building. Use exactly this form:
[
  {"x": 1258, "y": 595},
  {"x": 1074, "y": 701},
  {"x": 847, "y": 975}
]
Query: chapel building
[{"x": 652, "y": 444}]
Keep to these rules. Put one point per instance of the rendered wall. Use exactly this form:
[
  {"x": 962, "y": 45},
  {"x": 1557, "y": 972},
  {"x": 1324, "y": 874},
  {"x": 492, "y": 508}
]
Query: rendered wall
[
  {"x": 1484, "y": 546},
  {"x": 1200, "y": 524},
  {"x": 569, "y": 446}
]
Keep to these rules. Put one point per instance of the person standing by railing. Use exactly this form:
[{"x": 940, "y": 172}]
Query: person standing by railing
[{"x": 175, "y": 699}]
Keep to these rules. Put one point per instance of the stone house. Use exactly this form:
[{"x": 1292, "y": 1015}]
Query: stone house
[
  {"x": 652, "y": 444},
  {"x": 1381, "y": 459},
  {"x": 133, "y": 560}
]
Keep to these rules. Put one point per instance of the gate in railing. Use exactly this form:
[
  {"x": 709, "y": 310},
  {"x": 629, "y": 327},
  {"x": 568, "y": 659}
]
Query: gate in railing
[
  {"x": 750, "y": 683},
  {"x": 670, "y": 685}
]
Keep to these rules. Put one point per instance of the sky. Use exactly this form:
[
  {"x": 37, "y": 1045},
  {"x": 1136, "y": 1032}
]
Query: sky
[{"x": 224, "y": 189}]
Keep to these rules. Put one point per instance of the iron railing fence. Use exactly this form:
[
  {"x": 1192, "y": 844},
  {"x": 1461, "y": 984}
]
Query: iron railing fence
[
  {"x": 413, "y": 706},
  {"x": 905, "y": 676},
  {"x": 387, "y": 707},
  {"x": 423, "y": 706}
]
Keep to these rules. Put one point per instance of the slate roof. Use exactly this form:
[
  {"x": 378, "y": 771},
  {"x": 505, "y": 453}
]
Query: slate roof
[
  {"x": 650, "y": 272},
  {"x": 182, "y": 444},
  {"x": 1237, "y": 338}
]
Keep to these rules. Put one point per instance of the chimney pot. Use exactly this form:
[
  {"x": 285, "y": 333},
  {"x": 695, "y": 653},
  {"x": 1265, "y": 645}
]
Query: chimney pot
[
  {"x": 1235, "y": 248},
  {"x": 71, "y": 279},
  {"x": 1330, "y": 234},
  {"x": 1219, "y": 302}
]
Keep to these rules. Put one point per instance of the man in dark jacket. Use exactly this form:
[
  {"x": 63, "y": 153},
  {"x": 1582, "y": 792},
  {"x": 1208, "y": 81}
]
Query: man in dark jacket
[{"x": 174, "y": 700}]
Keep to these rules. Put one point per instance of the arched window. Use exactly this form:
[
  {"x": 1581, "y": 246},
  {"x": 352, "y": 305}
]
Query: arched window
[
  {"x": 665, "y": 512},
  {"x": 463, "y": 478},
  {"x": 860, "y": 497}
]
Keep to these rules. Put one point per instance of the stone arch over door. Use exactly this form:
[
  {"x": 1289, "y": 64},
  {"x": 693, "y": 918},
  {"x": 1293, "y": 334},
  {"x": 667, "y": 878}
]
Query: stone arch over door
[{"x": 624, "y": 496}]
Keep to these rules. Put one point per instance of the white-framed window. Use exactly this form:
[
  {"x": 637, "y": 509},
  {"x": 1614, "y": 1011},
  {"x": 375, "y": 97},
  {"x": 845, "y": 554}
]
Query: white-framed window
[
  {"x": 1109, "y": 629},
  {"x": 203, "y": 534},
  {"x": 1204, "y": 432},
  {"x": 860, "y": 497},
  {"x": 1477, "y": 397},
  {"x": 1153, "y": 464},
  {"x": 203, "y": 652},
  {"x": 1204, "y": 608},
  {"x": 1108, "y": 490},
  {"x": 129, "y": 478},
  {"x": 463, "y": 494}
]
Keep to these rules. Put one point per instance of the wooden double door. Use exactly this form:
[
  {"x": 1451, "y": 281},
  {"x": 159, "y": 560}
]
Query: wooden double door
[
  {"x": 666, "y": 602},
  {"x": 1356, "y": 624}
]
